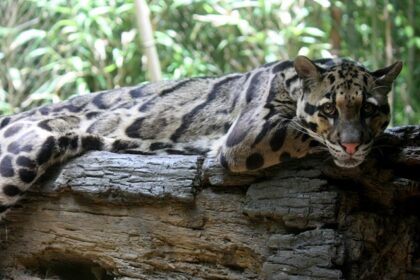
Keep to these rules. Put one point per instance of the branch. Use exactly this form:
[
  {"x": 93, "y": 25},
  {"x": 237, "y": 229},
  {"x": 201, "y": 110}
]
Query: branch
[{"x": 154, "y": 217}]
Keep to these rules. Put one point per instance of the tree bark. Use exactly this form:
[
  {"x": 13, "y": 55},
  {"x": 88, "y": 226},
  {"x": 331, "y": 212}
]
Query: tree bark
[
  {"x": 119, "y": 216},
  {"x": 335, "y": 38},
  {"x": 148, "y": 41}
]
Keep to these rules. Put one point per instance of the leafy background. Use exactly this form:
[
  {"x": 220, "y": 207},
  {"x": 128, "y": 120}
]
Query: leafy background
[{"x": 53, "y": 49}]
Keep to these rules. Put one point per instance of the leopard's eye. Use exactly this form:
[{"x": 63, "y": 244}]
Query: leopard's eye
[
  {"x": 328, "y": 109},
  {"x": 369, "y": 109}
]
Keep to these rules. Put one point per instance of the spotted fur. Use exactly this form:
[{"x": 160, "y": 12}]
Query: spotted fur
[{"x": 249, "y": 121}]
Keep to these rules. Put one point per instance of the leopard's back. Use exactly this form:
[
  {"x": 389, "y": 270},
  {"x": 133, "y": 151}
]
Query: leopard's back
[
  {"x": 165, "y": 117},
  {"x": 249, "y": 121}
]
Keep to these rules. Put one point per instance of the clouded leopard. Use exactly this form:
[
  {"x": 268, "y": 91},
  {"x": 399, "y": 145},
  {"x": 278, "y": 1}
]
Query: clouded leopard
[{"x": 248, "y": 121}]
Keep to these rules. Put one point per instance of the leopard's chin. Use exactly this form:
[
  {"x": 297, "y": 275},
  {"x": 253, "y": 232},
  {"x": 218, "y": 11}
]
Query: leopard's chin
[{"x": 348, "y": 163}]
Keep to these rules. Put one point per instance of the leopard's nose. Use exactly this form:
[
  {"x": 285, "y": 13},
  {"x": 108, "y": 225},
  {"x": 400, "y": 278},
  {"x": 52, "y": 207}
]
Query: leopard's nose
[{"x": 350, "y": 148}]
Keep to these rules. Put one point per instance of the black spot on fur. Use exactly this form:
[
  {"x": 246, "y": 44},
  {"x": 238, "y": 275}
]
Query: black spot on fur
[
  {"x": 145, "y": 106},
  {"x": 305, "y": 137},
  {"x": 226, "y": 127},
  {"x": 63, "y": 143},
  {"x": 138, "y": 152},
  {"x": 74, "y": 142},
  {"x": 4, "y": 122},
  {"x": 277, "y": 141},
  {"x": 223, "y": 161},
  {"x": 331, "y": 78},
  {"x": 26, "y": 175},
  {"x": 91, "y": 142},
  {"x": 13, "y": 130},
  {"x": 73, "y": 108},
  {"x": 312, "y": 126},
  {"x": 44, "y": 125},
  {"x": 274, "y": 90},
  {"x": 25, "y": 162},
  {"x": 6, "y": 167},
  {"x": 160, "y": 146},
  {"x": 44, "y": 110},
  {"x": 121, "y": 145},
  {"x": 314, "y": 143},
  {"x": 91, "y": 115},
  {"x": 236, "y": 136},
  {"x": 176, "y": 152},
  {"x": 306, "y": 86},
  {"x": 188, "y": 117},
  {"x": 46, "y": 151},
  {"x": 291, "y": 80},
  {"x": 238, "y": 93},
  {"x": 11, "y": 190},
  {"x": 16, "y": 147},
  {"x": 365, "y": 79},
  {"x": 98, "y": 102},
  {"x": 176, "y": 87},
  {"x": 186, "y": 151},
  {"x": 253, "y": 86},
  {"x": 3, "y": 208},
  {"x": 196, "y": 151},
  {"x": 310, "y": 109},
  {"x": 282, "y": 66},
  {"x": 58, "y": 108},
  {"x": 285, "y": 156},
  {"x": 254, "y": 161},
  {"x": 136, "y": 93},
  {"x": 263, "y": 132},
  {"x": 133, "y": 131}
]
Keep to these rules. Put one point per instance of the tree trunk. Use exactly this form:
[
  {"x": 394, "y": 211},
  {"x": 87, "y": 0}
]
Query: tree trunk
[
  {"x": 146, "y": 34},
  {"x": 335, "y": 38},
  {"x": 118, "y": 216}
]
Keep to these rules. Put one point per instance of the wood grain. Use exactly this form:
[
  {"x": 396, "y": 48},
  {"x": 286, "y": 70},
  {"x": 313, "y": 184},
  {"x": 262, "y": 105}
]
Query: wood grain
[{"x": 119, "y": 216}]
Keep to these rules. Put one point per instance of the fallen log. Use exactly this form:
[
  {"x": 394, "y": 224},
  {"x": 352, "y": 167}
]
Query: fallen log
[{"x": 120, "y": 216}]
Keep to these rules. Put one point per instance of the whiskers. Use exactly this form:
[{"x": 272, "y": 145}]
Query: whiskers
[
  {"x": 295, "y": 124},
  {"x": 319, "y": 149}
]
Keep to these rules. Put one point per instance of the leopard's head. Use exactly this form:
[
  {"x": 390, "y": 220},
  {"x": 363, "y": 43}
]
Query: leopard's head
[{"x": 344, "y": 106}]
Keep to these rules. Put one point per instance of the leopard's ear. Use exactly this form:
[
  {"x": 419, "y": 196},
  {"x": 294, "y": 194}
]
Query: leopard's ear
[
  {"x": 306, "y": 69},
  {"x": 388, "y": 74},
  {"x": 385, "y": 77}
]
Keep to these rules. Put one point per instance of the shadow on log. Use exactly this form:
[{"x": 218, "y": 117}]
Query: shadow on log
[{"x": 117, "y": 216}]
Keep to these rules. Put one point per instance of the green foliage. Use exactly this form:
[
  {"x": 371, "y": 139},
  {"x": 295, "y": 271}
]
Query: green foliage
[{"x": 52, "y": 49}]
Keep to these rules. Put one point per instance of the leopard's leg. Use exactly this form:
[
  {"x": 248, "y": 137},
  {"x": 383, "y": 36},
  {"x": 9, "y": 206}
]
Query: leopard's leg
[
  {"x": 257, "y": 140},
  {"x": 28, "y": 149}
]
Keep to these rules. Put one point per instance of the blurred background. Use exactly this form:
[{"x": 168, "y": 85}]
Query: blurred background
[{"x": 53, "y": 49}]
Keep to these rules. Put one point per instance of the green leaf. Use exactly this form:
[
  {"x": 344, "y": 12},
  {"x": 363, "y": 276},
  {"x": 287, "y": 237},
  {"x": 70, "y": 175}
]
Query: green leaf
[
  {"x": 5, "y": 108},
  {"x": 26, "y": 36},
  {"x": 99, "y": 11},
  {"x": 314, "y": 31},
  {"x": 37, "y": 52},
  {"x": 16, "y": 78}
]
